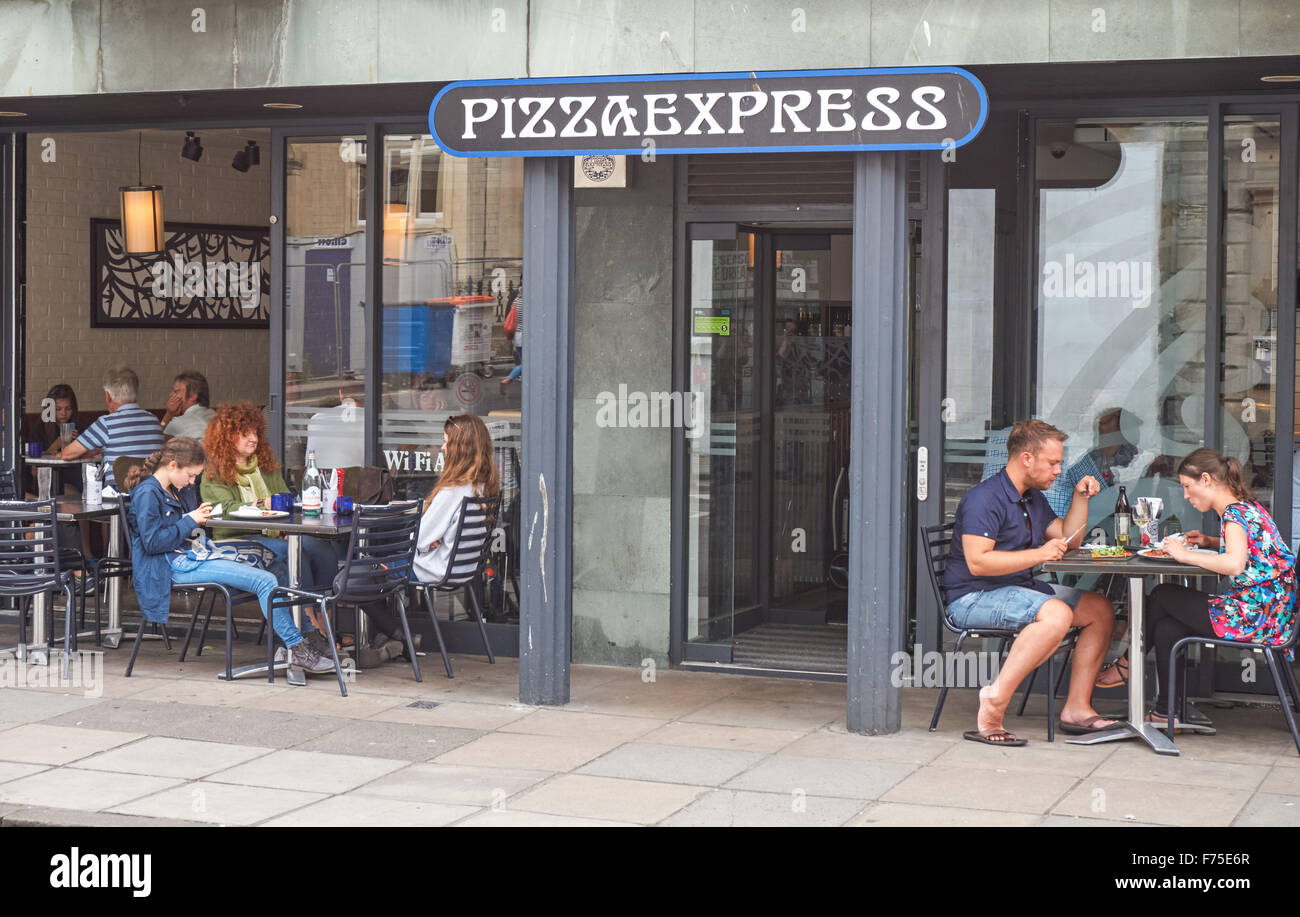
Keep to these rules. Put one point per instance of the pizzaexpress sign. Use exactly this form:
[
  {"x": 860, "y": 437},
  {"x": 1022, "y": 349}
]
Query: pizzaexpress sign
[{"x": 925, "y": 108}]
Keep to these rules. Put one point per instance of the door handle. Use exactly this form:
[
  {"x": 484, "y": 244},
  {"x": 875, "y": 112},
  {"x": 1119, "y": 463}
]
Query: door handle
[{"x": 922, "y": 473}]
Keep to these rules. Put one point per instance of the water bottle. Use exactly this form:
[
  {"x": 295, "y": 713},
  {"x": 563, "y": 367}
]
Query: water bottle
[{"x": 312, "y": 484}]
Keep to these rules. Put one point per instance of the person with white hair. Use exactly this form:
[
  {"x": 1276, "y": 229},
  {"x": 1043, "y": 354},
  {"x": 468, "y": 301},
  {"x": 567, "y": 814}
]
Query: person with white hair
[{"x": 127, "y": 428}]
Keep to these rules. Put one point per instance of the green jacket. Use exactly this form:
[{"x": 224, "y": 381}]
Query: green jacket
[{"x": 214, "y": 492}]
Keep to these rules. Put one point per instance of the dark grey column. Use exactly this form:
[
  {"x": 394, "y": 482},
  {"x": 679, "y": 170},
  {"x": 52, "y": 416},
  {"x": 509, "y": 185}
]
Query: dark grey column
[
  {"x": 877, "y": 472},
  {"x": 546, "y": 530}
]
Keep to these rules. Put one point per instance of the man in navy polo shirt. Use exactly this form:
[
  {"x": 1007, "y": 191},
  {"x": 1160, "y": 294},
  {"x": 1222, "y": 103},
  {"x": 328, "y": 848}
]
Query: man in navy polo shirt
[
  {"x": 127, "y": 428},
  {"x": 1004, "y": 528}
]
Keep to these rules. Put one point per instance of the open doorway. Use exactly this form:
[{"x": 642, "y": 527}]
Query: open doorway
[{"x": 767, "y": 483}]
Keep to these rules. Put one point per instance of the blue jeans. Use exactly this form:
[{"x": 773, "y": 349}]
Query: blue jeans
[
  {"x": 519, "y": 356},
  {"x": 320, "y": 559},
  {"x": 239, "y": 576}
]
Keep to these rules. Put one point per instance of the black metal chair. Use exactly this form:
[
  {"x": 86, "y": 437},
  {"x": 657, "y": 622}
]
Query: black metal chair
[
  {"x": 1284, "y": 681},
  {"x": 938, "y": 543},
  {"x": 380, "y": 551},
  {"x": 469, "y": 554},
  {"x": 114, "y": 567},
  {"x": 30, "y": 566}
]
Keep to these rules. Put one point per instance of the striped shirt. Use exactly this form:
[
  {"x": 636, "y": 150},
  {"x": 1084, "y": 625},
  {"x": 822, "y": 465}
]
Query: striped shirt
[{"x": 130, "y": 430}]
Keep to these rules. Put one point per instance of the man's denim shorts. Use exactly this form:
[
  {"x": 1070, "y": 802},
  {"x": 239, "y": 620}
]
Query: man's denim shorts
[{"x": 1007, "y": 607}]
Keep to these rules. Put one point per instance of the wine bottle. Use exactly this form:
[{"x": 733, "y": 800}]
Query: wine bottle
[{"x": 1123, "y": 519}]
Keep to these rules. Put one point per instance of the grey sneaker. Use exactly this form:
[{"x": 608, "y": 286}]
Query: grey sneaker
[{"x": 309, "y": 660}]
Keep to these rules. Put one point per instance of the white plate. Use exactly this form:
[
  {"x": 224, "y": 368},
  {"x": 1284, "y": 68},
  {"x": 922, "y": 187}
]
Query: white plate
[{"x": 252, "y": 512}]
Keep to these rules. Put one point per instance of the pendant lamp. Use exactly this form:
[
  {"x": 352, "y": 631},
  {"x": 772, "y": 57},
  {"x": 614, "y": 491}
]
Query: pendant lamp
[{"x": 142, "y": 212}]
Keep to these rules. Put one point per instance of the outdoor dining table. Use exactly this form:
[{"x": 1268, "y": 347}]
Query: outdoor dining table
[
  {"x": 74, "y": 509},
  {"x": 60, "y": 465},
  {"x": 293, "y": 527},
  {"x": 1137, "y": 570}
]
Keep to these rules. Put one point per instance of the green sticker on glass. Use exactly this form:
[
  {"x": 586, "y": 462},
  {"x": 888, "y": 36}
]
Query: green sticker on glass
[{"x": 713, "y": 324}]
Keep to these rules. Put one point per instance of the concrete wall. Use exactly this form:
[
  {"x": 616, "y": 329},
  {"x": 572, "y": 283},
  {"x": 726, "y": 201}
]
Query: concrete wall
[
  {"x": 82, "y": 183},
  {"x": 53, "y": 47},
  {"x": 622, "y": 477}
]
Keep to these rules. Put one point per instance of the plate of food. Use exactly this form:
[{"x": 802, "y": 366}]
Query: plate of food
[
  {"x": 1155, "y": 554},
  {"x": 256, "y": 512},
  {"x": 1110, "y": 552}
]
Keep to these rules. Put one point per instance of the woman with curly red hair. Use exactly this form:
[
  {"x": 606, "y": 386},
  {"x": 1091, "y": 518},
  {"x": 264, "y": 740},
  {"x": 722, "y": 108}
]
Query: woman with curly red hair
[{"x": 242, "y": 471}]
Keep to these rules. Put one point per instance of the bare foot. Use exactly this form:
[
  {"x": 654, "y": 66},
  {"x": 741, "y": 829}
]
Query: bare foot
[{"x": 992, "y": 709}]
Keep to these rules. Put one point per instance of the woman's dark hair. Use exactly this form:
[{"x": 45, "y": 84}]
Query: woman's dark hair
[
  {"x": 1221, "y": 468},
  {"x": 185, "y": 452}
]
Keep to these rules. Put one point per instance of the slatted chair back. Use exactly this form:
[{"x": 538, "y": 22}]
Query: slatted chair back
[
  {"x": 473, "y": 541},
  {"x": 9, "y": 485},
  {"x": 938, "y": 545},
  {"x": 29, "y": 547},
  {"x": 380, "y": 552}
]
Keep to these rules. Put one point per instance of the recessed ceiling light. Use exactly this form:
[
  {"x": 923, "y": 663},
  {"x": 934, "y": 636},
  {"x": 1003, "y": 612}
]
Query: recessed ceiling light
[
  {"x": 285, "y": 105},
  {"x": 13, "y": 114},
  {"x": 1281, "y": 78}
]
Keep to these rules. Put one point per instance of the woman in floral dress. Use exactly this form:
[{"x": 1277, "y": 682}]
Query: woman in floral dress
[{"x": 1257, "y": 603}]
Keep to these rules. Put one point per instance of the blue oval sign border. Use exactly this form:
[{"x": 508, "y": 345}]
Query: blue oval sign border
[{"x": 734, "y": 75}]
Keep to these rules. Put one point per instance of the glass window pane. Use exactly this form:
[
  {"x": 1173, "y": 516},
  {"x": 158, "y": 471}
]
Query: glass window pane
[
  {"x": 324, "y": 296},
  {"x": 452, "y": 274},
  {"x": 1121, "y": 304},
  {"x": 1248, "y": 339}
]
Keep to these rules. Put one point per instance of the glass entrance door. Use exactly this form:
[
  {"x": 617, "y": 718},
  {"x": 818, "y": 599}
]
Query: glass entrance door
[{"x": 766, "y": 490}]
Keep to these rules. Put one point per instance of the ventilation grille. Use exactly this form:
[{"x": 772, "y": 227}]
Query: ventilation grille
[{"x": 770, "y": 178}]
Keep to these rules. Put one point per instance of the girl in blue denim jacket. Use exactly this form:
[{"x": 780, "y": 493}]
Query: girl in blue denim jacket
[{"x": 168, "y": 545}]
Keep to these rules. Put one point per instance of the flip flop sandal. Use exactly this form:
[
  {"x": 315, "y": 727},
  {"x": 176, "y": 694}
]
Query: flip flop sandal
[
  {"x": 1120, "y": 667},
  {"x": 994, "y": 737},
  {"x": 1163, "y": 723},
  {"x": 1082, "y": 729}
]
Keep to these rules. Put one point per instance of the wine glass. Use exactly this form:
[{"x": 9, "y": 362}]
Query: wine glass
[{"x": 1142, "y": 517}]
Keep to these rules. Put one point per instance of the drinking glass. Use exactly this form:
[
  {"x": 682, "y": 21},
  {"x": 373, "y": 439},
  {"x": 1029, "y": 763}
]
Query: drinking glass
[
  {"x": 67, "y": 433},
  {"x": 44, "y": 478}
]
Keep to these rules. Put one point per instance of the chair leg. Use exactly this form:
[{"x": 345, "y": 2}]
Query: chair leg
[
  {"x": 1029, "y": 688},
  {"x": 1294, "y": 690},
  {"x": 99, "y": 621},
  {"x": 437, "y": 631},
  {"x": 1276, "y": 662},
  {"x": 261, "y": 632},
  {"x": 334, "y": 650},
  {"x": 24, "y": 607},
  {"x": 1051, "y": 699},
  {"x": 270, "y": 645},
  {"x": 1172, "y": 688},
  {"x": 230, "y": 624},
  {"x": 68, "y": 633},
  {"x": 135, "y": 648},
  {"x": 410, "y": 645},
  {"x": 472, "y": 590},
  {"x": 203, "y": 634},
  {"x": 189, "y": 631},
  {"x": 943, "y": 692},
  {"x": 1065, "y": 667}
]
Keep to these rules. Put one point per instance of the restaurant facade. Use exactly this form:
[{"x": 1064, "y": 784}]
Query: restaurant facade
[{"x": 783, "y": 278}]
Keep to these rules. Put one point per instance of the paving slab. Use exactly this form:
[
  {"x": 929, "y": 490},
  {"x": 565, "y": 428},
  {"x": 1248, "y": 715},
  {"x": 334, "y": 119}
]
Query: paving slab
[
  {"x": 310, "y": 771},
  {"x": 1075, "y": 821},
  {"x": 551, "y": 722},
  {"x": 73, "y": 788},
  {"x": 822, "y": 776},
  {"x": 204, "y": 723},
  {"x": 672, "y": 763},
  {"x": 609, "y": 798},
  {"x": 216, "y": 693},
  {"x": 744, "y": 808},
  {"x": 899, "y": 815},
  {"x": 47, "y": 817},
  {"x": 481, "y": 717},
  {"x": 350, "y": 811},
  {"x": 356, "y": 705},
  {"x": 1036, "y": 757},
  {"x": 391, "y": 740},
  {"x": 1160, "y": 803},
  {"x": 981, "y": 788},
  {"x": 160, "y": 756},
  {"x": 850, "y": 747},
  {"x": 24, "y": 706},
  {"x": 10, "y": 770},
  {"x": 532, "y": 752},
  {"x": 454, "y": 785},
  {"x": 1271, "y": 810},
  {"x": 219, "y": 803},
  {"x": 1140, "y": 763},
  {"x": 733, "y": 711},
  {"x": 42, "y": 743},
  {"x": 714, "y": 735},
  {"x": 513, "y": 818}
]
